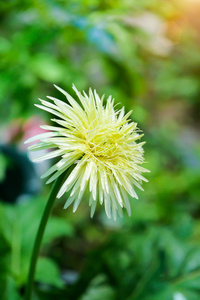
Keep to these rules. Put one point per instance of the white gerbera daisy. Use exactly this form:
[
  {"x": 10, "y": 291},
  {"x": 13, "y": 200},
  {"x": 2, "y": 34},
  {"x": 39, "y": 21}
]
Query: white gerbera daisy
[{"x": 101, "y": 144}]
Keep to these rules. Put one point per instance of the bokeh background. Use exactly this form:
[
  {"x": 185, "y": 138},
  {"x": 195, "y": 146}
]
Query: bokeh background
[{"x": 146, "y": 54}]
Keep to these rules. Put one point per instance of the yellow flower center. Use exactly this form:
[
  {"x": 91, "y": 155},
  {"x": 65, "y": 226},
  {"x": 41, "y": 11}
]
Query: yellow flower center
[{"x": 103, "y": 145}]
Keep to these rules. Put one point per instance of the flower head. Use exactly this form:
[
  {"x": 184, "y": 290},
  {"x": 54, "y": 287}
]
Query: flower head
[{"x": 101, "y": 143}]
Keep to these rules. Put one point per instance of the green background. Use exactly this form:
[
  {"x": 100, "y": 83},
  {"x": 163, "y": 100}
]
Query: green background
[{"x": 146, "y": 54}]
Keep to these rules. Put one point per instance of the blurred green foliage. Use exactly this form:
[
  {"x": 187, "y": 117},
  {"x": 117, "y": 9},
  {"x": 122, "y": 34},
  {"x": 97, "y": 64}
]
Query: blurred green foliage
[{"x": 146, "y": 54}]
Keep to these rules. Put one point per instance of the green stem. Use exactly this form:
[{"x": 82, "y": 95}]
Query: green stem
[{"x": 36, "y": 249}]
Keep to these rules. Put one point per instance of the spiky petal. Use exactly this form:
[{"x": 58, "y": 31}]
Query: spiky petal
[{"x": 101, "y": 142}]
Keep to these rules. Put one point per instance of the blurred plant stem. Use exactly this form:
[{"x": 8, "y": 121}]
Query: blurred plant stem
[{"x": 36, "y": 249}]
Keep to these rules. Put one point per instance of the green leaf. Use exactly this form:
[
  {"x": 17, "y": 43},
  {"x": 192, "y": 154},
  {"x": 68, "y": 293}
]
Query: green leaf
[
  {"x": 57, "y": 227},
  {"x": 47, "y": 67},
  {"x": 192, "y": 261},
  {"x": 48, "y": 272},
  {"x": 99, "y": 289},
  {"x": 8, "y": 289}
]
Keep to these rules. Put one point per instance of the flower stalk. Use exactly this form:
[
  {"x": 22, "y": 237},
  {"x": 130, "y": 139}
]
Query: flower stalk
[{"x": 37, "y": 245}]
